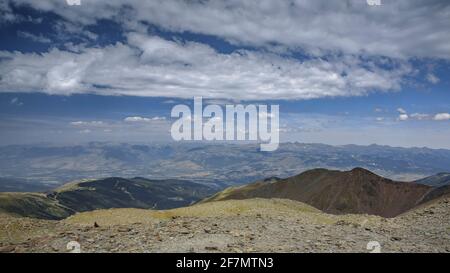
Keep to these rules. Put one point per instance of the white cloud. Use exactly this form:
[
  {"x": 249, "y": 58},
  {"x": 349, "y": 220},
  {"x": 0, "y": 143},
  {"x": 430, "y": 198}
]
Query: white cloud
[
  {"x": 152, "y": 66},
  {"x": 16, "y": 101},
  {"x": 7, "y": 15},
  {"x": 158, "y": 118},
  {"x": 36, "y": 38},
  {"x": 420, "y": 116},
  {"x": 432, "y": 78},
  {"x": 87, "y": 123},
  {"x": 403, "y": 117},
  {"x": 266, "y": 115},
  {"x": 136, "y": 119},
  {"x": 442, "y": 116},
  {"x": 68, "y": 30},
  {"x": 401, "y": 28},
  {"x": 415, "y": 116},
  {"x": 143, "y": 119},
  {"x": 351, "y": 49}
]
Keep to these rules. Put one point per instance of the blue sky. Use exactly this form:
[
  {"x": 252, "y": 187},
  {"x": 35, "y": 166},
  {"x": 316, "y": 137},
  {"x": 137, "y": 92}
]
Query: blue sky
[{"x": 342, "y": 73}]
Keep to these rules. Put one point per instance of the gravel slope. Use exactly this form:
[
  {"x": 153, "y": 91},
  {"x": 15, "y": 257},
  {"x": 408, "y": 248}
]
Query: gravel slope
[{"x": 256, "y": 225}]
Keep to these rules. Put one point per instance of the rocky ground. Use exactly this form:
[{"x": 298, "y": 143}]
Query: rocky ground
[{"x": 257, "y": 225}]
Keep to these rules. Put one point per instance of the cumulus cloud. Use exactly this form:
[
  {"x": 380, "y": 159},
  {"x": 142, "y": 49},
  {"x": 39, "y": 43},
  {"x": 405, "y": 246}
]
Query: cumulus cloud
[
  {"x": 350, "y": 48},
  {"x": 399, "y": 29},
  {"x": 421, "y": 116},
  {"x": 403, "y": 117},
  {"x": 152, "y": 66},
  {"x": 442, "y": 116}
]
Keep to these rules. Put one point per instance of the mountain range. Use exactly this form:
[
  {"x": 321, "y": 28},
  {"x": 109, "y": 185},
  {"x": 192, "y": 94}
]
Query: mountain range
[
  {"x": 318, "y": 210},
  {"x": 222, "y": 165},
  {"x": 357, "y": 191}
]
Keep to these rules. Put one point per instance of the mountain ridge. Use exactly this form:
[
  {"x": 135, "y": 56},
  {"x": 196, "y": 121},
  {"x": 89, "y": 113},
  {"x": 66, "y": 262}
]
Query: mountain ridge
[
  {"x": 340, "y": 192},
  {"x": 112, "y": 192},
  {"x": 437, "y": 180},
  {"x": 228, "y": 164},
  {"x": 358, "y": 191}
]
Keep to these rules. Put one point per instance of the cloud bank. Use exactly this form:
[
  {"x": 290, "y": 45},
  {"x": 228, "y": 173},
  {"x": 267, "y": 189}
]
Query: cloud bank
[
  {"x": 152, "y": 66},
  {"x": 348, "y": 48}
]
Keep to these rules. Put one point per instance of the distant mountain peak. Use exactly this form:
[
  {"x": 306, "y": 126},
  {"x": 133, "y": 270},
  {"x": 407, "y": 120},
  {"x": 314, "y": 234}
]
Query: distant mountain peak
[{"x": 361, "y": 170}]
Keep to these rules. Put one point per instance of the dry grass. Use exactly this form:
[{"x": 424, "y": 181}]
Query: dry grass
[
  {"x": 229, "y": 208},
  {"x": 17, "y": 229},
  {"x": 72, "y": 185}
]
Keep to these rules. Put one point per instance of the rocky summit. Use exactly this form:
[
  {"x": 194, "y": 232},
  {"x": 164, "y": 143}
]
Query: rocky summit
[{"x": 253, "y": 225}]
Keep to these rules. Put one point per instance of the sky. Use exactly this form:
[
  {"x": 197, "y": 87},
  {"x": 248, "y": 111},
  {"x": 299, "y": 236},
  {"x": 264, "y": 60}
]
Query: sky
[{"x": 343, "y": 72}]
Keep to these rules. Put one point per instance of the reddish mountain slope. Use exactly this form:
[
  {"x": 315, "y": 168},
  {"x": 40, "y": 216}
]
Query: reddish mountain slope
[{"x": 337, "y": 192}]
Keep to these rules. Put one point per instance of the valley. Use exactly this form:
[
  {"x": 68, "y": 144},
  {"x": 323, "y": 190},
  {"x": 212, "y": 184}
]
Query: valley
[{"x": 46, "y": 167}]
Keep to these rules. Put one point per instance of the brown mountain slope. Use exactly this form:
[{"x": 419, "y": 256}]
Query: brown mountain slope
[{"x": 337, "y": 192}]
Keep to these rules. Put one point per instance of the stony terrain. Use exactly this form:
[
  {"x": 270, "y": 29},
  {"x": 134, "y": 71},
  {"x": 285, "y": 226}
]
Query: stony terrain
[{"x": 256, "y": 225}]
